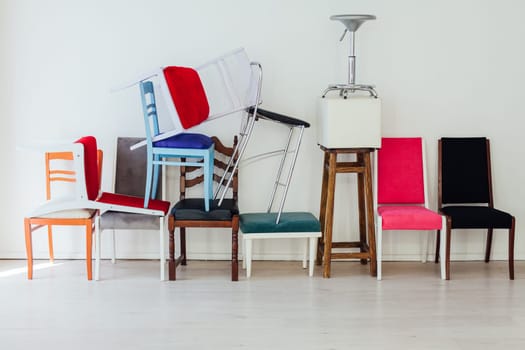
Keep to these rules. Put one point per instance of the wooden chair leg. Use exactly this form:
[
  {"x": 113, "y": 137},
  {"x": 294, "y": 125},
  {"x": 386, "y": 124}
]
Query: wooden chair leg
[
  {"x": 369, "y": 198},
  {"x": 50, "y": 243},
  {"x": 361, "y": 208},
  {"x": 182, "y": 231},
  {"x": 489, "y": 245},
  {"x": 322, "y": 210},
  {"x": 235, "y": 248},
  {"x": 511, "y": 249},
  {"x": 447, "y": 250},
  {"x": 172, "y": 265},
  {"x": 329, "y": 215},
  {"x": 29, "y": 248}
]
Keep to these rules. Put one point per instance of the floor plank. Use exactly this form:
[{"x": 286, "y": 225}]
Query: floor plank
[{"x": 280, "y": 307}]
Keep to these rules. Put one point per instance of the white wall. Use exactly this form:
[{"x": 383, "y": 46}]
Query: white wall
[{"x": 442, "y": 68}]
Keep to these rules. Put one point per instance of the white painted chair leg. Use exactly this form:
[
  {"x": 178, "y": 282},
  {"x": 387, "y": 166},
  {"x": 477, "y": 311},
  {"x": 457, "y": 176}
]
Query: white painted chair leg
[
  {"x": 423, "y": 240},
  {"x": 114, "y": 248},
  {"x": 243, "y": 252},
  {"x": 305, "y": 253},
  {"x": 162, "y": 255},
  {"x": 430, "y": 236},
  {"x": 97, "y": 248},
  {"x": 248, "y": 258},
  {"x": 313, "y": 250},
  {"x": 442, "y": 248},
  {"x": 379, "y": 247}
]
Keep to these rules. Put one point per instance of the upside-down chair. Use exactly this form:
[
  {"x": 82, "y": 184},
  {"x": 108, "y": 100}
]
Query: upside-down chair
[{"x": 229, "y": 84}]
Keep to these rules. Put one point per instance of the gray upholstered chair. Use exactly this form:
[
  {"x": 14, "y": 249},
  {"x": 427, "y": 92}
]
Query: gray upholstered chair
[{"x": 129, "y": 179}]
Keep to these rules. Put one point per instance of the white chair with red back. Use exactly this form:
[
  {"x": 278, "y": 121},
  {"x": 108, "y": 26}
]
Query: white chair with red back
[
  {"x": 87, "y": 194},
  {"x": 401, "y": 201}
]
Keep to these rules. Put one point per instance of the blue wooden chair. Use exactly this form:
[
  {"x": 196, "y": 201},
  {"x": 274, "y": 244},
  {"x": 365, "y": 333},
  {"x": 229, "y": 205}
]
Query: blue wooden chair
[{"x": 198, "y": 148}]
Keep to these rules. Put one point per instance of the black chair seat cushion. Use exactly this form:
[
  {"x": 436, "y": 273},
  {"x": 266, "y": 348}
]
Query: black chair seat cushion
[
  {"x": 281, "y": 118},
  {"x": 477, "y": 217},
  {"x": 193, "y": 209}
]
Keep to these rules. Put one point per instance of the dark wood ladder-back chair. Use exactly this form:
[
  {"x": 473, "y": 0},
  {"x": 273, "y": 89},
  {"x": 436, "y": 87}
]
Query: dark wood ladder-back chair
[
  {"x": 465, "y": 193},
  {"x": 189, "y": 212}
]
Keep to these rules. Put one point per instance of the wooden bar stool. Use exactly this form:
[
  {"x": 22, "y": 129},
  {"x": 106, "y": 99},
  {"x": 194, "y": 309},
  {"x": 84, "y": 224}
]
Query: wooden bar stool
[{"x": 366, "y": 244}]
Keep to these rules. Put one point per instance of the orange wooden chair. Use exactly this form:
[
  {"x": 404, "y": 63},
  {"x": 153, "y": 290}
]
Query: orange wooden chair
[
  {"x": 58, "y": 171},
  {"x": 87, "y": 196}
]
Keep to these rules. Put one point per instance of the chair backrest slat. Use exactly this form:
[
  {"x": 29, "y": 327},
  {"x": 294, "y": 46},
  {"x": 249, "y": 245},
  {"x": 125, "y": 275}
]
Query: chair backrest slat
[
  {"x": 149, "y": 109},
  {"x": 58, "y": 169},
  {"x": 221, "y": 151}
]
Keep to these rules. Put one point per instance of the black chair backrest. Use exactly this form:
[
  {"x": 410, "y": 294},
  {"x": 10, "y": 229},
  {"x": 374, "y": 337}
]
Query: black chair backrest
[
  {"x": 130, "y": 168},
  {"x": 465, "y": 170}
]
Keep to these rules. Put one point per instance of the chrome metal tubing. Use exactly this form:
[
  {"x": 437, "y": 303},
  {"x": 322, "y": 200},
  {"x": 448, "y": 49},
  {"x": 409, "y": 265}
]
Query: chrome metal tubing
[
  {"x": 280, "y": 171},
  {"x": 244, "y": 138},
  {"x": 344, "y": 89},
  {"x": 289, "y": 177}
]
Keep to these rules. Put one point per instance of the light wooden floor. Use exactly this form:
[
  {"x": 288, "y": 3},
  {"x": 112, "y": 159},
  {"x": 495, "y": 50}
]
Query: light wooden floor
[{"x": 278, "y": 308}]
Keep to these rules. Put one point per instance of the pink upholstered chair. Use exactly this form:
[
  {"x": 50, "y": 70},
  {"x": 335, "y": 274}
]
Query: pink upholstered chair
[{"x": 400, "y": 193}]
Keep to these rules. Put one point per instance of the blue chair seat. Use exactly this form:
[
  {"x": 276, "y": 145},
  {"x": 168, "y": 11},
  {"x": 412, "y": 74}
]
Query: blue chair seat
[{"x": 186, "y": 140}]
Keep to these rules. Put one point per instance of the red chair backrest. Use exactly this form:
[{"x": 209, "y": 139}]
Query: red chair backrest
[
  {"x": 188, "y": 95},
  {"x": 91, "y": 166},
  {"x": 400, "y": 171}
]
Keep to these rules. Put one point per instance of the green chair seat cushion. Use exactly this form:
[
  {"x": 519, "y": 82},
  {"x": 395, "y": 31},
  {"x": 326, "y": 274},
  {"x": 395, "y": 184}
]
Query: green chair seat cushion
[{"x": 289, "y": 222}]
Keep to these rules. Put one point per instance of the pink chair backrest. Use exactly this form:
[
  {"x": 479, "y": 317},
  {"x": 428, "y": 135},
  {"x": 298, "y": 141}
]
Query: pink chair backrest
[
  {"x": 400, "y": 171},
  {"x": 188, "y": 95},
  {"x": 90, "y": 166}
]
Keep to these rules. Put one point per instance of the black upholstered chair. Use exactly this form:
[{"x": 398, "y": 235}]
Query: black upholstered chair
[
  {"x": 465, "y": 193},
  {"x": 129, "y": 179},
  {"x": 189, "y": 212}
]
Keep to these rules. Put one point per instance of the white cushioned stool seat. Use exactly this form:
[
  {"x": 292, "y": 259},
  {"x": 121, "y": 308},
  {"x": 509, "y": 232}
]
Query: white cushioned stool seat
[{"x": 302, "y": 225}]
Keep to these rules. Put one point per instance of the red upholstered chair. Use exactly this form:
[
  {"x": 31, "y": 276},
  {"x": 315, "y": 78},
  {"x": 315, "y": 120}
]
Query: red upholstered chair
[
  {"x": 401, "y": 194},
  {"x": 87, "y": 194}
]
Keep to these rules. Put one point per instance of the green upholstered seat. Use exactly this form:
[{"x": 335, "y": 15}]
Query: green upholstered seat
[
  {"x": 289, "y": 222},
  {"x": 299, "y": 225}
]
